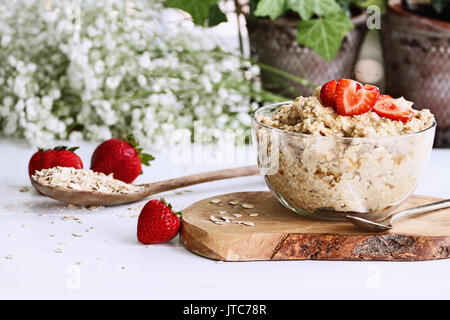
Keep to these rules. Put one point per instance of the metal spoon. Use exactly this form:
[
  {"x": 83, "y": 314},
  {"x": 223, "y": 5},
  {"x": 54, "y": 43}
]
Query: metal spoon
[
  {"x": 93, "y": 198},
  {"x": 386, "y": 224}
]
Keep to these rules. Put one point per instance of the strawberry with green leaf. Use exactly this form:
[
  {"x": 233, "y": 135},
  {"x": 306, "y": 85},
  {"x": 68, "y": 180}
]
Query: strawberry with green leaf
[
  {"x": 157, "y": 222},
  {"x": 60, "y": 156},
  {"x": 122, "y": 158}
]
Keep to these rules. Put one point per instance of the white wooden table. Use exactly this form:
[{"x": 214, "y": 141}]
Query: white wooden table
[{"x": 108, "y": 261}]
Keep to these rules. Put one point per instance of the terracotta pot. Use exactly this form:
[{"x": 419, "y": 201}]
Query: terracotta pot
[
  {"x": 274, "y": 43},
  {"x": 416, "y": 51}
]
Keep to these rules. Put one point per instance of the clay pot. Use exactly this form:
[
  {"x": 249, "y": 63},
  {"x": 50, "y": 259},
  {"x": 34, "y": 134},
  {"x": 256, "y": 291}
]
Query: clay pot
[
  {"x": 274, "y": 43},
  {"x": 416, "y": 51}
]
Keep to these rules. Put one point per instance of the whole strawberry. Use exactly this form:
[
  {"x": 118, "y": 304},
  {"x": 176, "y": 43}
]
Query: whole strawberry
[
  {"x": 157, "y": 222},
  {"x": 122, "y": 158},
  {"x": 60, "y": 156}
]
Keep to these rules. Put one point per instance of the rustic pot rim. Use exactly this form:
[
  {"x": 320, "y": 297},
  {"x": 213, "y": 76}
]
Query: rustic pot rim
[
  {"x": 357, "y": 20},
  {"x": 396, "y": 8}
]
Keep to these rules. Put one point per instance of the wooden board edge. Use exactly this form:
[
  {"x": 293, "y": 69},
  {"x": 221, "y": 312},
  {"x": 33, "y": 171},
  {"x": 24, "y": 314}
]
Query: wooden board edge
[
  {"x": 332, "y": 247},
  {"x": 379, "y": 247}
]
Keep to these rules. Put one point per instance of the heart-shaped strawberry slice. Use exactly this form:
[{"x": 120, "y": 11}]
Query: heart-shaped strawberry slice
[
  {"x": 388, "y": 107},
  {"x": 353, "y": 99}
]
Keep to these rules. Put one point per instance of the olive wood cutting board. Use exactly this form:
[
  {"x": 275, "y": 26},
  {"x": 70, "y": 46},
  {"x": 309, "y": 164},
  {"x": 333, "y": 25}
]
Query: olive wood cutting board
[{"x": 279, "y": 234}]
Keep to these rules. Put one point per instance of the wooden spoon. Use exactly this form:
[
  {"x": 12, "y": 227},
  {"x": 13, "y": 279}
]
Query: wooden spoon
[{"x": 93, "y": 198}]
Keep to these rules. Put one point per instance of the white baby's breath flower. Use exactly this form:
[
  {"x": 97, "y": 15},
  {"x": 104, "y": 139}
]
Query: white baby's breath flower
[{"x": 110, "y": 66}]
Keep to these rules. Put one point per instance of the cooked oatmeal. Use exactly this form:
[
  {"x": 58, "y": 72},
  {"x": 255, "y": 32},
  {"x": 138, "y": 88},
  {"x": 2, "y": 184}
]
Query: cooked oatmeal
[
  {"x": 310, "y": 172},
  {"x": 308, "y": 115}
]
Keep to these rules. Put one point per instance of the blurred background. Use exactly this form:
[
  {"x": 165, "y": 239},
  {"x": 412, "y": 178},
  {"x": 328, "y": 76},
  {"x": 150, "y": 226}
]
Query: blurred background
[{"x": 93, "y": 69}]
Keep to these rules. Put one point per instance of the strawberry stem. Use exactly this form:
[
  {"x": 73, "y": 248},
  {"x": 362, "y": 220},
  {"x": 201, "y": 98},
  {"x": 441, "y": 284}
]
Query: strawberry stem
[{"x": 144, "y": 157}]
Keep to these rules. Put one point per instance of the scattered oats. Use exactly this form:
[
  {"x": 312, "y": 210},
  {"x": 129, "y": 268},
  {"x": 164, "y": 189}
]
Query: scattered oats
[
  {"x": 26, "y": 225},
  {"x": 78, "y": 235},
  {"x": 83, "y": 179},
  {"x": 89, "y": 229},
  {"x": 134, "y": 216},
  {"x": 95, "y": 208},
  {"x": 221, "y": 212},
  {"x": 251, "y": 224},
  {"x": 215, "y": 201},
  {"x": 247, "y": 206},
  {"x": 59, "y": 250},
  {"x": 219, "y": 222},
  {"x": 10, "y": 207},
  {"x": 236, "y": 222},
  {"x": 71, "y": 205},
  {"x": 187, "y": 190},
  {"x": 253, "y": 214},
  {"x": 24, "y": 189},
  {"x": 52, "y": 222},
  {"x": 10, "y": 256},
  {"x": 237, "y": 215},
  {"x": 213, "y": 219},
  {"x": 179, "y": 192},
  {"x": 234, "y": 202},
  {"x": 65, "y": 218},
  {"x": 42, "y": 214},
  {"x": 53, "y": 236}
]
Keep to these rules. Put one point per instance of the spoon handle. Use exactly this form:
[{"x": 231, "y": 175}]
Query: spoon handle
[
  {"x": 171, "y": 184},
  {"x": 421, "y": 209}
]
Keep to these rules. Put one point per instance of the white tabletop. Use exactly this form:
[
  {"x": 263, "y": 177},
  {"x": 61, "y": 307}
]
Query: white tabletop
[{"x": 109, "y": 262}]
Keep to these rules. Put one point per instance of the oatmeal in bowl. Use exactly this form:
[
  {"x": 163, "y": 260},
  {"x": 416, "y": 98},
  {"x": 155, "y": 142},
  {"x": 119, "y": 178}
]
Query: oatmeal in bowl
[{"x": 344, "y": 151}]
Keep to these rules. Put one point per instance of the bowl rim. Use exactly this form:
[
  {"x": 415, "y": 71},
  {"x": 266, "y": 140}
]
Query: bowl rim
[{"x": 306, "y": 135}]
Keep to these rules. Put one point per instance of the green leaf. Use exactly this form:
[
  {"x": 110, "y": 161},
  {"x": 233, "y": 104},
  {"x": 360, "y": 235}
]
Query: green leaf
[
  {"x": 271, "y": 8},
  {"x": 145, "y": 158},
  {"x": 324, "y": 35},
  {"x": 59, "y": 148},
  {"x": 198, "y": 9},
  {"x": 307, "y": 8},
  {"x": 216, "y": 15},
  {"x": 326, "y": 7}
]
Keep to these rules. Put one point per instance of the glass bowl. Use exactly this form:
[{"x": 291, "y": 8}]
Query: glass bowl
[{"x": 330, "y": 177}]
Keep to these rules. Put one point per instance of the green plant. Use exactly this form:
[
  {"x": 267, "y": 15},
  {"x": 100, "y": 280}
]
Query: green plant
[{"x": 323, "y": 23}]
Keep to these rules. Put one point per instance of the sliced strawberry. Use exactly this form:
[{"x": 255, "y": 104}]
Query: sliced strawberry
[
  {"x": 387, "y": 107},
  {"x": 372, "y": 88},
  {"x": 353, "y": 99},
  {"x": 327, "y": 94}
]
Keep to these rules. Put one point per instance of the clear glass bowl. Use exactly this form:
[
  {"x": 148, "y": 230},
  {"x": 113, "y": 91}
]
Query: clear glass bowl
[{"x": 330, "y": 177}]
